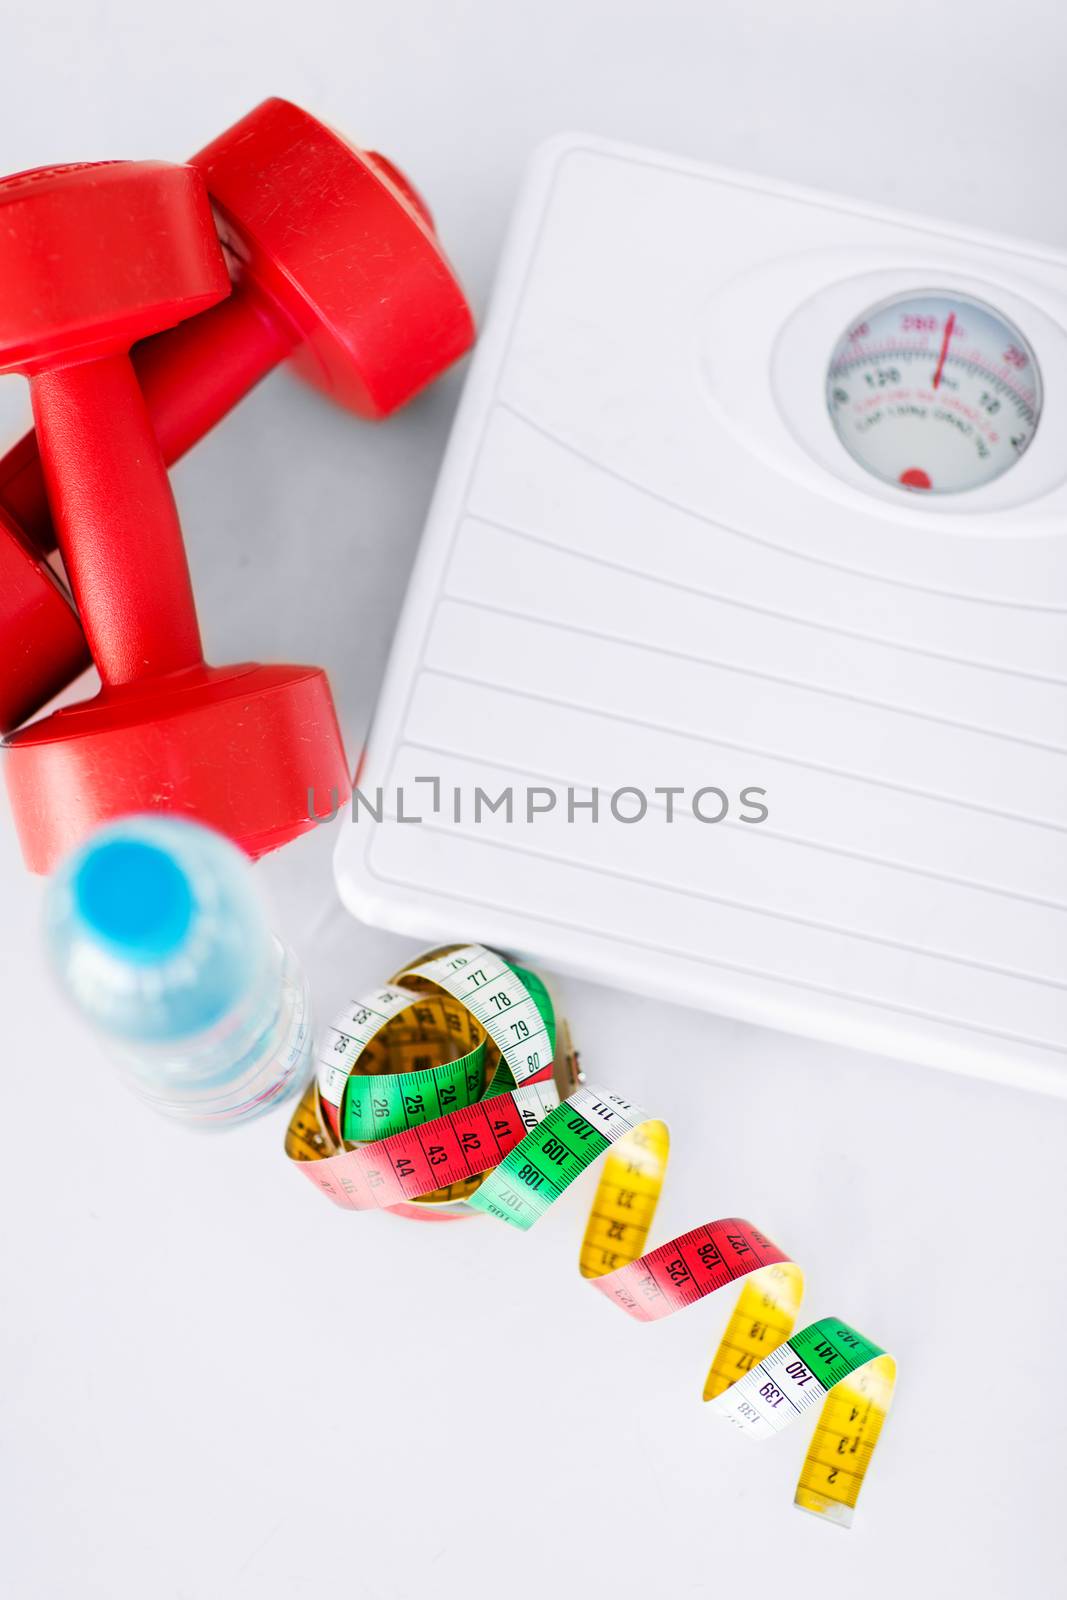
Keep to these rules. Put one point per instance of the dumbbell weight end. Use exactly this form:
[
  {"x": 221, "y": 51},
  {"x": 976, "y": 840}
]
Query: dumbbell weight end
[{"x": 238, "y": 748}]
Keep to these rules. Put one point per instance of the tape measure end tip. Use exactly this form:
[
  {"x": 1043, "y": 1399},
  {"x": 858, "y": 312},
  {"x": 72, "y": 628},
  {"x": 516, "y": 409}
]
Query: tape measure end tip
[{"x": 831, "y": 1511}]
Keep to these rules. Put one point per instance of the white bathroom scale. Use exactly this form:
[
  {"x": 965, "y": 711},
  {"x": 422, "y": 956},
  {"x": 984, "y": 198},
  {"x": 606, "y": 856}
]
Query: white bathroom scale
[{"x": 755, "y": 500}]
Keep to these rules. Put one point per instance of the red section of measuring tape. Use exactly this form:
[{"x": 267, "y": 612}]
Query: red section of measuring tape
[
  {"x": 677, "y": 1274},
  {"x": 461, "y": 1145}
]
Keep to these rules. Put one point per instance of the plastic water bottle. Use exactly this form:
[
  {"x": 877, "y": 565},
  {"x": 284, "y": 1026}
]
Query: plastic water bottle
[{"x": 157, "y": 931}]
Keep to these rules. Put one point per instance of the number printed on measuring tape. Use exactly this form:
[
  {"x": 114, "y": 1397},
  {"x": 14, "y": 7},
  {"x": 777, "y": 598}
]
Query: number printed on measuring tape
[
  {"x": 439, "y": 1095},
  {"x": 500, "y": 999}
]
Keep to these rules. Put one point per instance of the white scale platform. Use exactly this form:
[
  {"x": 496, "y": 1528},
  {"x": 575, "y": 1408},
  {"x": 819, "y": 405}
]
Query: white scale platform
[{"x": 651, "y": 561}]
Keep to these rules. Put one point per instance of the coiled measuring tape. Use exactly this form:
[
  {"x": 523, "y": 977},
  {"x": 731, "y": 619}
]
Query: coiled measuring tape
[{"x": 438, "y": 1096}]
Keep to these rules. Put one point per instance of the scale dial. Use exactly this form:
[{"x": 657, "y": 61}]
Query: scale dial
[{"x": 934, "y": 392}]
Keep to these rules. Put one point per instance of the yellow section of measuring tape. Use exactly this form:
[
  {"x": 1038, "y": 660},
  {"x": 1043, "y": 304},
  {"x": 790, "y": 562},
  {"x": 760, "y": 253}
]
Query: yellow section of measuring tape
[
  {"x": 844, "y": 1441},
  {"x": 764, "y": 1316},
  {"x": 625, "y": 1202}
]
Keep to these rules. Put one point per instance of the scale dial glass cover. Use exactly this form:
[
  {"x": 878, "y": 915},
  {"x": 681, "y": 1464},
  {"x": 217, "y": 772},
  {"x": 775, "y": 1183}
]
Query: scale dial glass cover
[{"x": 934, "y": 392}]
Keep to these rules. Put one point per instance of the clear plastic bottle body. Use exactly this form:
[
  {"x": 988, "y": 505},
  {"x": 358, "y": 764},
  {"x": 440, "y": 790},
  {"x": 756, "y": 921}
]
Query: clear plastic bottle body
[
  {"x": 157, "y": 931},
  {"x": 250, "y": 1061}
]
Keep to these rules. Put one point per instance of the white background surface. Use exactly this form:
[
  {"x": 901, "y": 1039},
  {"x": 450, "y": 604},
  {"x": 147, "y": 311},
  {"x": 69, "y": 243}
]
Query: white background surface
[{"x": 215, "y": 1385}]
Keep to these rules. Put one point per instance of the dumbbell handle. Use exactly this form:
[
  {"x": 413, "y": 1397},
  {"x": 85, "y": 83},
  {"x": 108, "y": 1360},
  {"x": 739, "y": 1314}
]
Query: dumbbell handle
[
  {"x": 116, "y": 520},
  {"x": 191, "y": 376}
]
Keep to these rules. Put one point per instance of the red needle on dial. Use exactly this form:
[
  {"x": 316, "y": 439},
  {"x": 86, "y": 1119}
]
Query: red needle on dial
[{"x": 949, "y": 325}]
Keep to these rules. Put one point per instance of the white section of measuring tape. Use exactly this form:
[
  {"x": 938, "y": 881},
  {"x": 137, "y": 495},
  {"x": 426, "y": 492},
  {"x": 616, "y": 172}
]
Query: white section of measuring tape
[
  {"x": 367, "y": 1017},
  {"x": 534, "y": 1101},
  {"x": 759, "y": 1414},
  {"x": 496, "y": 995},
  {"x": 607, "y": 1111}
]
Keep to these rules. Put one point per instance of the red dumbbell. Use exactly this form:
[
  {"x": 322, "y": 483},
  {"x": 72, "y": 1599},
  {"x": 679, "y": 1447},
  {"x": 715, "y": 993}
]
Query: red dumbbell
[
  {"x": 335, "y": 264},
  {"x": 93, "y": 257}
]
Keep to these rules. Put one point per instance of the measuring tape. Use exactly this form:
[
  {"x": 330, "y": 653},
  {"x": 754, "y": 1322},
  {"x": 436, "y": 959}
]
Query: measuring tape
[
  {"x": 853, "y": 1378},
  {"x": 438, "y": 1096}
]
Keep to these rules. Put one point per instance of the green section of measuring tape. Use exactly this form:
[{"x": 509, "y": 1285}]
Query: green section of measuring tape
[
  {"x": 384, "y": 1103},
  {"x": 377, "y": 1105},
  {"x": 534, "y": 1175},
  {"x": 833, "y": 1350}
]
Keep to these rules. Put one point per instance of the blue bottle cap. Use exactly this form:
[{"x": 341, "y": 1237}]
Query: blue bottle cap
[
  {"x": 134, "y": 898},
  {"x": 156, "y": 929}
]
